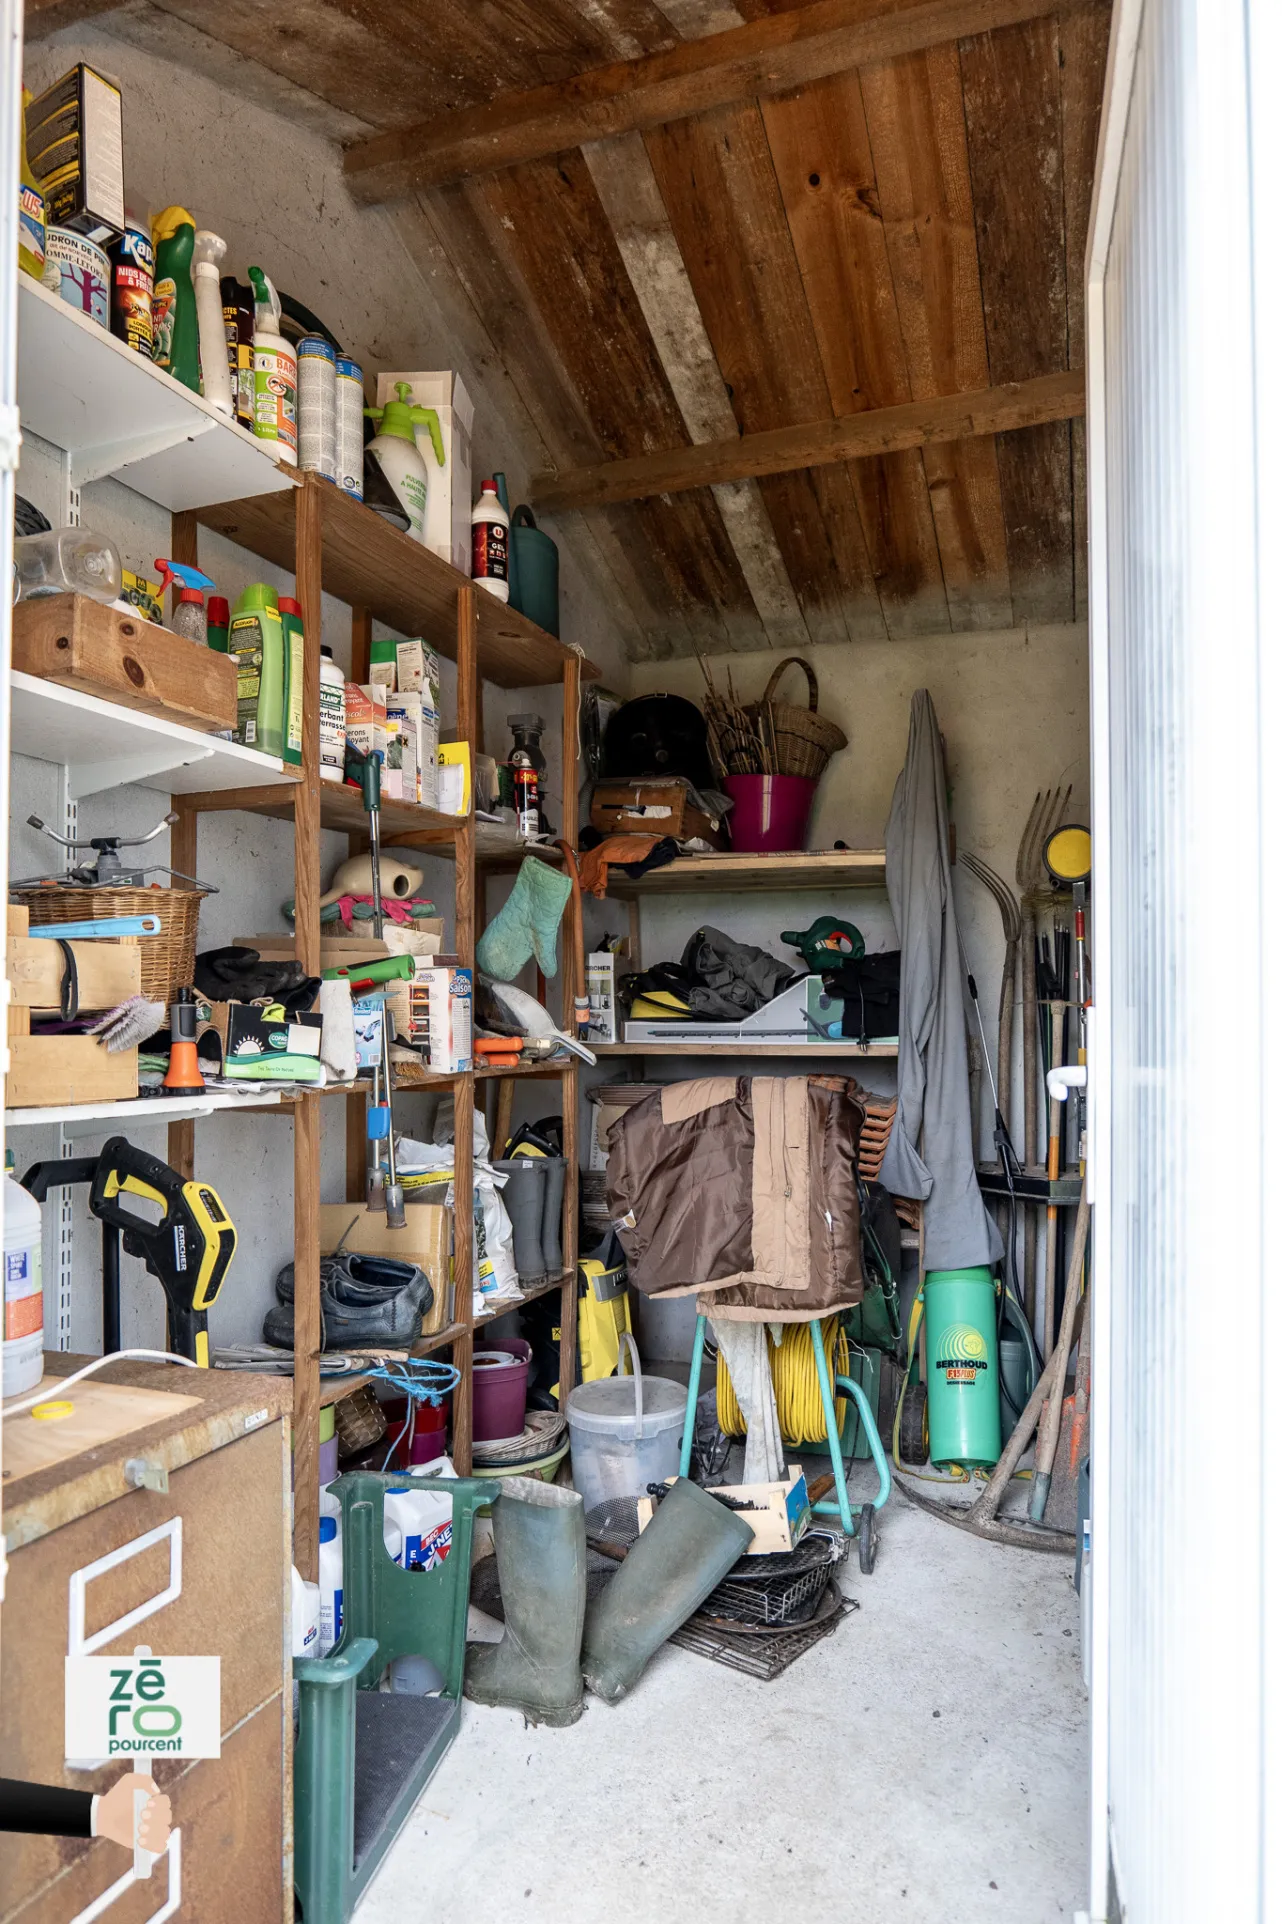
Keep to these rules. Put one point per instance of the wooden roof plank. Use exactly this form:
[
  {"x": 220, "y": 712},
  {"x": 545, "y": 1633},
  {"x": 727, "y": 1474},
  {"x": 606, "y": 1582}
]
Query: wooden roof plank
[
  {"x": 1083, "y": 47},
  {"x": 917, "y": 129},
  {"x": 722, "y": 197},
  {"x": 852, "y": 438},
  {"x": 1011, "y": 84},
  {"x": 768, "y": 55},
  {"x": 819, "y": 142}
]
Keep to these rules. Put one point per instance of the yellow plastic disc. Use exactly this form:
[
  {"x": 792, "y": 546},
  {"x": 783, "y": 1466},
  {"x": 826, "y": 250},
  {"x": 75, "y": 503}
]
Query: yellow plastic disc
[
  {"x": 53, "y": 1412},
  {"x": 1068, "y": 854}
]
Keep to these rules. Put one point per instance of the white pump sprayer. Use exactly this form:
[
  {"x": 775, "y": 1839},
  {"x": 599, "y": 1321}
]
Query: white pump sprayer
[{"x": 215, "y": 370}]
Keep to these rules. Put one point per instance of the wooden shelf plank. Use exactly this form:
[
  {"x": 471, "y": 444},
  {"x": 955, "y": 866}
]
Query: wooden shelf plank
[
  {"x": 372, "y": 565},
  {"x": 820, "y": 868},
  {"x": 793, "y": 1051}
]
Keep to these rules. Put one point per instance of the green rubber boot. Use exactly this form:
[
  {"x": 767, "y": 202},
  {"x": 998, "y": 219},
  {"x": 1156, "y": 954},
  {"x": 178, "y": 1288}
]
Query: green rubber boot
[
  {"x": 681, "y": 1555},
  {"x": 543, "y": 1572}
]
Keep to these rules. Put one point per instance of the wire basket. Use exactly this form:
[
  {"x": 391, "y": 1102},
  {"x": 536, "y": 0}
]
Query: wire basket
[
  {"x": 779, "y": 1591},
  {"x": 168, "y": 959},
  {"x": 802, "y": 740}
]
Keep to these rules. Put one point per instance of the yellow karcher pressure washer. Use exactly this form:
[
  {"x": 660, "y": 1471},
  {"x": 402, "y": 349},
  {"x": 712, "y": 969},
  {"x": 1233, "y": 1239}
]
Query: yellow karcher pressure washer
[
  {"x": 188, "y": 1251},
  {"x": 604, "y": 1310}
]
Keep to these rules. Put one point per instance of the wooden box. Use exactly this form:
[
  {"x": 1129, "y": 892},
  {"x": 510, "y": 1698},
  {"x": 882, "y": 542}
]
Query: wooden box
[
  {"x": 651, "y": 808},
  {"x": 122, "y": 658},
  {"x": 48, "y": 1070},
  {"x": 107, "y": 972}
]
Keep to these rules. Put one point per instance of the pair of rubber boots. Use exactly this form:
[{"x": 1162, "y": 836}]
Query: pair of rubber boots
[
  {"x": 553, "y": 1641},
  {"x": 532, "y": 1196}
]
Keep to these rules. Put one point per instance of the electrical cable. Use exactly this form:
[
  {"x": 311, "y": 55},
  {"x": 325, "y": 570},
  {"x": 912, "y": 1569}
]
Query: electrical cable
[{"x": 52, "y": 1394}]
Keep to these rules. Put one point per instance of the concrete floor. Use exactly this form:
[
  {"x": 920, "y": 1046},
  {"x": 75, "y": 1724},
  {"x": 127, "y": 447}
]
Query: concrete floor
[{"x": 926, "y": 1762}]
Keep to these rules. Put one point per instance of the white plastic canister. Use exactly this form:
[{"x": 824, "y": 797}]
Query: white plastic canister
[
  {"x": 23, "y": 1290},
  {"x": 331, "y": 1583},
  {"x": 304, "y": 1616}
]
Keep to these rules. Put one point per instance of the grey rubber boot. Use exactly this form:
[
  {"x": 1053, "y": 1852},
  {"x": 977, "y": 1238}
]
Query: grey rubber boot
[
  {"x": 681, "y": 1555},
  {"x": 543, "y": 1572},
  {"x": 522, "y": 1197},
  {"x": 553, "y": 1198}
]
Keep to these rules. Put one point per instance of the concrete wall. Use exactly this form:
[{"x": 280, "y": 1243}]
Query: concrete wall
[{"x": 274, "y": 192}]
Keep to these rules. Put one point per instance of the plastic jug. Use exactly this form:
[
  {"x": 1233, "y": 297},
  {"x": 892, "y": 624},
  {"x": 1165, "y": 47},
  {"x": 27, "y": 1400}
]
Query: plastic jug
[
  {"x": 625, "y": 1432},
  {"x": 417, "y": 1526},
  {"x": 304, "y": 1616},
  {"x": 535, "y": 568},
  {"x": 23, "y": 1294},
  {"x": 331, "y": 1584}
]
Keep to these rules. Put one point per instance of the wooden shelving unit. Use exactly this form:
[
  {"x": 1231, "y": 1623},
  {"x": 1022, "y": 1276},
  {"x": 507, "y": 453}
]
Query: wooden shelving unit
[{"x": 335, "y": 545}]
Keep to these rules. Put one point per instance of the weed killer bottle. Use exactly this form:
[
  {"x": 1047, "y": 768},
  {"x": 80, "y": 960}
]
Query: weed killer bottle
[
  {"x": 275, "y": 374},
  {"x": 489, "y": 542}
]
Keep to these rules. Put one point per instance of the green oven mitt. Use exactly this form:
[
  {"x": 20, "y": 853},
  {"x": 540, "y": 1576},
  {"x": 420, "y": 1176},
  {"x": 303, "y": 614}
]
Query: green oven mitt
[{"x": 527, "y": 923}]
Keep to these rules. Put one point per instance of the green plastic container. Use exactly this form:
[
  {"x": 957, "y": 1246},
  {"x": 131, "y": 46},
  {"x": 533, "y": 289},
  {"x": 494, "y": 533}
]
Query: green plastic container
[
  {"x": 257, "y": 640},
  {"x": 962, "y": 1397},
  {"x": 535, "y": 572}
]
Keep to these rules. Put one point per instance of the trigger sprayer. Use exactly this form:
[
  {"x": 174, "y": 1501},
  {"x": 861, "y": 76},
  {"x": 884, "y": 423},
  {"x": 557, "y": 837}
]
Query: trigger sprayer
[
  {"x": 187, "y": 610},
  {"x": 215, "y": 370},
  {"x": 275, "y": 373}
]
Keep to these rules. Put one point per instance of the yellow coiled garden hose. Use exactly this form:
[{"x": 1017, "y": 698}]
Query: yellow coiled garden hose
[{"x": 796, "y": 1383}]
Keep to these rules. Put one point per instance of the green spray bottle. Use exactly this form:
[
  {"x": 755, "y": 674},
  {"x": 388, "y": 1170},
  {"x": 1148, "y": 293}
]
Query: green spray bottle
[
  {"x": 291, "y": 621},
  {"x": 175, "y": 342},
  {"x": 256, "y": 640}
]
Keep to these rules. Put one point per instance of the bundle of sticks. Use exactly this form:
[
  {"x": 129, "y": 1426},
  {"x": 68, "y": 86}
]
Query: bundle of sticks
[{"x": 741, "y": 741}]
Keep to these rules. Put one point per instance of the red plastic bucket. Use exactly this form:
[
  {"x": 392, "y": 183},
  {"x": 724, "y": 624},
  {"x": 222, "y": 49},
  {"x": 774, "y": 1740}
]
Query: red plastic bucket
[
  {"x": 771, "y": 813},
  {"x": 427, "y": 1439},
  {"x": 498, "y": 1395}
]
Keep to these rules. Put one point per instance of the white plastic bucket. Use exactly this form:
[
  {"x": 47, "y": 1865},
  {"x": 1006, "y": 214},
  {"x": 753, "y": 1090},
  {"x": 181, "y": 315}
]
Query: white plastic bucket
[{"x": 625, "y": 1432}]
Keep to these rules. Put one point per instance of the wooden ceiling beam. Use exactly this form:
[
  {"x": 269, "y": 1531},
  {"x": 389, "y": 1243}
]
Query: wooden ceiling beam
[
  {"x": 851, "y": 437},
  {"x": 767, "y": 56},
  {"x": 42, "y": 18}
]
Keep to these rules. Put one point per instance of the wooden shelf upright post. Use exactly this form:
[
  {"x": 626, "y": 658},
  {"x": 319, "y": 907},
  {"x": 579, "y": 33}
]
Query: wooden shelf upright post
[
  {"x": 464, "y": 1095},
  {"x": 570, "y": 1073}
]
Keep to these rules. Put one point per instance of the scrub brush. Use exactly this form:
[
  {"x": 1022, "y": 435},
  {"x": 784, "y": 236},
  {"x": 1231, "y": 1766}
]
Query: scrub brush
[{"x": 130, "y": 1023}]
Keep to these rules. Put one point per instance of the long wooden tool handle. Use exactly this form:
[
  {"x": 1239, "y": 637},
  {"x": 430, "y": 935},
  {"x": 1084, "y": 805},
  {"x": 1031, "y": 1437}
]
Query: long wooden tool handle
[{"x": 1048, "y": 1430}]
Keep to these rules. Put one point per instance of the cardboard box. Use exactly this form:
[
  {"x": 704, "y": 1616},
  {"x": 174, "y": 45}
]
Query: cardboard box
[
  {"x": 602, "y": 1026},
  {"x": 651, "y": 808},
  {"x": 366, "y": 717},
  {"x": 254, "y": 1037},
  {"x": 779, "y": 1517},
  {"x": 45, "y": 1070},
  {"x": 425, "y": 1240},
  {"x": 367, "y": 1021},
  {"x": 107, "y": 972},
  {"x": 448, "y": 530},
  {"x": 441, "y": 1015},
  {"x": 75, "y": 147},
  {"x": 405, "y": 741},
  {"x": 78, "y": 643},
  {"x": 454, "y": 778},
  {"x": 419, "y": 695}
]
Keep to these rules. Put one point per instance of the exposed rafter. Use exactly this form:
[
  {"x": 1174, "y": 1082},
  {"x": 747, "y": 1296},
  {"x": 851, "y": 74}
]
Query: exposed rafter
[
  {"x": 767, "y": 56},
  {"x": 851, "y": 437}
]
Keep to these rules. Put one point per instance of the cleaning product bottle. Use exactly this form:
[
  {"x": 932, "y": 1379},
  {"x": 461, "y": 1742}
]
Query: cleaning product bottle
[
  {"x": 257, "y": 640},
  {"x": 133, "y": 279},
  {"x": 23, "y": 1294},
  {"x": 333, "y": 717},
  {"x": 396, "y": 452},
  {"x": 175, "y": 335},
  {"x": 291, "y": 621},
  {"x": 331, "y": 1583},
  {"x": 238, "y": 328},
  {"x": 349, "y": 427},
  {"x": 275, "y": 374},
  {"x": 304, "y": 1616},
  {"x": 31, "y": 209},
  {"x": 489, "y": 542},
  {"x": 188, "y": 605},
  {"x": 215, "y": 375},
  {"x": 217, "y": 623}
]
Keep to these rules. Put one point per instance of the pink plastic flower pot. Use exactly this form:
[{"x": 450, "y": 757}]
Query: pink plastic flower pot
[
  {"x": 498, "y": 1395},
  {"x": 771, "y": 813}
]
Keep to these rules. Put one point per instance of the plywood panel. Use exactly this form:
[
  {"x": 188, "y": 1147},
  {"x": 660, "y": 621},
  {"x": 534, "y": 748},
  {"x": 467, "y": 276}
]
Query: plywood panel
[
  {"x": 1011, "y": 84},
  {"x": 917, "y": 129},
  {"x": 719, "y": 186},
  {"x": 819, "y": 144}
]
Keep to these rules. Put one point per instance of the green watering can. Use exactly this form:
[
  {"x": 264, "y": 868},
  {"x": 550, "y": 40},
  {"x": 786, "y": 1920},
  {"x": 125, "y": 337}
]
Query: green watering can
[{"x": 535, "y": 564}]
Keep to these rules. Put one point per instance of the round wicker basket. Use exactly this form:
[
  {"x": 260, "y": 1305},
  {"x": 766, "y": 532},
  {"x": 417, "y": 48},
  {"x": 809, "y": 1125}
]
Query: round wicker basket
[
  {"x": 168, "y": 959},
  {"x": 803, "y": 740}
]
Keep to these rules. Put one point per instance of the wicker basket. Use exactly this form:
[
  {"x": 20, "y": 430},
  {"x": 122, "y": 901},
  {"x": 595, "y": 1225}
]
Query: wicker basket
[
  {"x": 168, "y": 959},
  {"x": 803, "y": 739}
]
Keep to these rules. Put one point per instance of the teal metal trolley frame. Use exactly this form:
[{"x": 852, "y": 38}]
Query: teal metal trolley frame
[{"x": 866, "y": 1528}]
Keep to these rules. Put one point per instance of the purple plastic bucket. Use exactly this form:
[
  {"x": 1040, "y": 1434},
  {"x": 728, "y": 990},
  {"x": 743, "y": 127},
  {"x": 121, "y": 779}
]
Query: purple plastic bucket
[
  {"x": 771, "y": 813},
  {"x": 498, "y": 1395}
]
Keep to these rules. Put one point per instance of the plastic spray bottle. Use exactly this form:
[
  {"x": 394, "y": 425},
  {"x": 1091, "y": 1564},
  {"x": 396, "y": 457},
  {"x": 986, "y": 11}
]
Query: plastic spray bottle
[
  {"x": 238, "y": 326},
  {"x": 291, "y": 621},
  {"x": 215, "y": 374},
  {"x": 188, "y": 607},
  {"x": 396, "y": 452},
  {"x": 275, "y": 376},
  {"x": 175, "y": 335},
  {"x": 257, "y": 641}
]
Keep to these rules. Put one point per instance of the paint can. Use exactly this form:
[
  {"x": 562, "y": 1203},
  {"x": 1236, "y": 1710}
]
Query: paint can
[
  {"x": 350, "y": 428},
  {"x": 317, "y": 406},
  {"x": 79, "y": 272}
]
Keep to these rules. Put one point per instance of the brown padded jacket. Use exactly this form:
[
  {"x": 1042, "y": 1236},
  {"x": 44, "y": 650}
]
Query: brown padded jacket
[{"x": 742, "y": 1190}]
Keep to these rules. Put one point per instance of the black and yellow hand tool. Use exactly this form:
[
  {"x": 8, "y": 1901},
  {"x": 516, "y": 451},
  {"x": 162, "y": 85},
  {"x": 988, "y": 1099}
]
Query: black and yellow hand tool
[{"x": 188, "y": 1250}]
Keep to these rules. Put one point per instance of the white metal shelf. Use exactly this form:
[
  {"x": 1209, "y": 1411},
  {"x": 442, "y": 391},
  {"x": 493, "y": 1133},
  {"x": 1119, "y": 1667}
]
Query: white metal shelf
[
  {"x": 115, "y": 414},
  {"x": 105, "y": 746},
  {"x": 142, "y": 1109}
]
